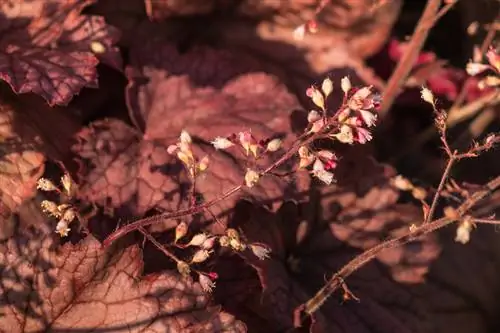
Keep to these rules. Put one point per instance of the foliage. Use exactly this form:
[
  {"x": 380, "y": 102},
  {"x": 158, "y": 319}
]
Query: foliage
[{"x": 209, "y": 166}]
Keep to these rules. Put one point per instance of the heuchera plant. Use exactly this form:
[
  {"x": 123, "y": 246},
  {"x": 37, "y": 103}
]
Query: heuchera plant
[{"x": 259, "y": 229}]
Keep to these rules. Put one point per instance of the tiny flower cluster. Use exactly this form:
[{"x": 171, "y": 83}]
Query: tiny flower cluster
[
  {"x": 250, "y": 145},
  {"x": 349, "y": 125},
  {"x": 248, "y": 142},
  {"x": 64, "y": 212},
  {"x": 233, "y": 240},
  {"x": 323, "y": 162},
  {"x": 183, "y": 150}
]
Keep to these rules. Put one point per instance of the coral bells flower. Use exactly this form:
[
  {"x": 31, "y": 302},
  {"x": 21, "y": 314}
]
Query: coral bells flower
[
  {"x": 206, "y": 283},
  {"x": 248, "y": 142},
  {"x": 222, "y": 143},
  {"x": 463, "y": 231},
  {"x": 361, "y": 99},
  {"x": 319, "y": 172},
  {"x": 369, "y": 118},
  {"x": 327, "y": 87},
  {"x": 260, "y": 251},
  {"x": 362, "y": 135},
  {"x": 183, "y": 150},
  {"x": 345, "y": 135},
  {"x": 345, "y": 84},
  {"x": 251, "y": 178},
  {"x": 62, "y": 228},
  {"x": 316, "y": 96},
  {"x": 273, "y": 145},
  {"x": 427, "y": 95},
  {"x": 45, "y": 185}
]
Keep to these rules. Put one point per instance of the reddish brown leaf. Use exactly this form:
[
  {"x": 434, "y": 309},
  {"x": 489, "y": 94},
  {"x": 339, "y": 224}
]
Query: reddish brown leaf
[
  {"x": 311, "y": 240},
  {"x": 21, "y": 161},
  {"x": 85, "y": 288},
  {"x": 135, "y": 172},
  {"x": 46, "y": 47}
]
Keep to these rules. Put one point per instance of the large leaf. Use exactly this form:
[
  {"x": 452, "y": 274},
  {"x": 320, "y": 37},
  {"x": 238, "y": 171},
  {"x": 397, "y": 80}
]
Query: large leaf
[
  {"x": 134, "y": 171},
  {"x": 82, "y": 287},
  {"x": 47, "y": 47}
]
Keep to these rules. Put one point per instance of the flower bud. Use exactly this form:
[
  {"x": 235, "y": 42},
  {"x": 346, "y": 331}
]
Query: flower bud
[
  {"x": 198, "y": 239},
  {"x": 49, "y": 207},
  {"x": 180, "y": 231},
  {"x": 327, "y": 87},
  {"x": 463, "y": 230},
  {"x": 222, "y": 143},
  {"x": 419, "y": 193},
  {"x": 401, "y": 183},
  {"x": 45, "y": 185},
  {"x": 224, "y": 241},
  {"x": 209, "y": 243},
  {"x": 345, "y": 84},
  {"x": 260, "y": 251},
  {"x": 67, "y": 184},
  {"x": 183, "y": 268},
  {"x": 273, "y": 145},
  {"x": 251, "y": 178},
  {"x": 200, "y": 256},
  {"x": 427, "y": 95},
  {"x": 313, "y": 116},
  {"x": 69, "y": 215},
  {"x": 185, "y": 137},
  {"x": 318, "y": 99},
  {"x": 232, "y": 233},
  {"x": 62, "y": 228},
  {"x": 203, "y": 164}
]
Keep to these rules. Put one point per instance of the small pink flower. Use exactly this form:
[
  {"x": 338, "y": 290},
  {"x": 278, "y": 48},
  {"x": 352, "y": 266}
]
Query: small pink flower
[
  {"x": 369, "y": 118},
  {"x": 363, "y": 135}
]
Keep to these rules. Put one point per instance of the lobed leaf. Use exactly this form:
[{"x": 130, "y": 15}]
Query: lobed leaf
[
  {"x": 82, "y": 287},
  {"x": 134, "y": 171},
  {"x": 47, "y": 47}
]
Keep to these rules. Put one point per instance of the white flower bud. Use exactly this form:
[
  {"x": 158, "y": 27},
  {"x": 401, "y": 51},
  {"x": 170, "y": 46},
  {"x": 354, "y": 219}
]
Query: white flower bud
[
  {"x": 198, "y": 239},
  {"x": 327, "y": 87},
  {"x": 345, "y": 84},
  {"x": 273, "y": 145},
  {"x": 200, "y": 256},
  {"x": 251, "y": 178},
  {"x": 222, "y": 143},
  {"x": 427, "y": 95}
]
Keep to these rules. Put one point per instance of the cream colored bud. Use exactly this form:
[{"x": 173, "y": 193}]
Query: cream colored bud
[
  {"x": 183, "y": 268},
  {"x": 327, "y": 87},
  {"x": 200, "y": 256},
  {"x": 427, "y": 95},
  {"x": 198, "y": 239},
  {"x": 345, "y": 84},
  {"x": 273, "y": 145},
  {"x": 251, "y": 178},
  {"x": 185, "y": 137},
  {"x": 180, "y": 231}
]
